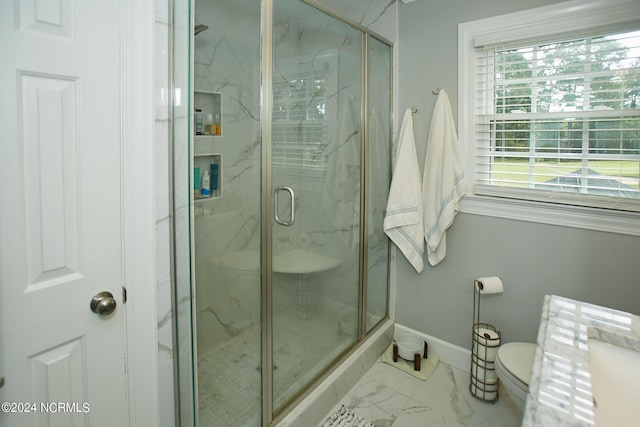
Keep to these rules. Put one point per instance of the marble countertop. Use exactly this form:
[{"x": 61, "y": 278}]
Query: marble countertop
[{"x": 560, "y": 392}]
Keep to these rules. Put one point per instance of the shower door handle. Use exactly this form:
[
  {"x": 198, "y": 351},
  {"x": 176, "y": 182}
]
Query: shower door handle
[{"x": 292, "y": 217}]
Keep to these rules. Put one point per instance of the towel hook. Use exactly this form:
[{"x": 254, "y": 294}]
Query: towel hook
[
  {"x": 414, "y": 109},
  {"x": 436, "y": 91}
]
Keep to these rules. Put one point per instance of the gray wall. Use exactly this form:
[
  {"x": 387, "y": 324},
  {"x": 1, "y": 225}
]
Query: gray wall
[{"x": 533, "y": 259}]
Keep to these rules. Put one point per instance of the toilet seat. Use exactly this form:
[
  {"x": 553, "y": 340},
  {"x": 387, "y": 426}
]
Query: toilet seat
[{"x": 515, "y": 360}]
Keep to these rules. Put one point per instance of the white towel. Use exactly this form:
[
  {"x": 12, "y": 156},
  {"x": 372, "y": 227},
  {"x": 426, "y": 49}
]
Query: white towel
[
  {"x": 443, "y": 179},
  {"x": 403, "y": 220}
]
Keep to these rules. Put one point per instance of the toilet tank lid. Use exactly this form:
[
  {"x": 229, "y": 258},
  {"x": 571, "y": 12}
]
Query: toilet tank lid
[{"x": 517, "y": 357}]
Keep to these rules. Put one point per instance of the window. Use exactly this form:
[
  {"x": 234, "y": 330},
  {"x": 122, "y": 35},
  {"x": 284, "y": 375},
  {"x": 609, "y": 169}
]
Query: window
[
  {"x": 299, "y": 125},
  {"x": 550, "y": 106},
  {"x": 304, "y": 111},
  {"x": 561, "y": 116}
]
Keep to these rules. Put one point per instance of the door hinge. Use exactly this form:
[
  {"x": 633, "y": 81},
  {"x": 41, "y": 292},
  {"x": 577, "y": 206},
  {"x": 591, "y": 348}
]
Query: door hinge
[{"x": 124, "y": 295}]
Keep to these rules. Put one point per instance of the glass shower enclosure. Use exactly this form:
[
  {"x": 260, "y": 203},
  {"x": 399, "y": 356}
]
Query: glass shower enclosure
[{"x": 287, "y": 159}]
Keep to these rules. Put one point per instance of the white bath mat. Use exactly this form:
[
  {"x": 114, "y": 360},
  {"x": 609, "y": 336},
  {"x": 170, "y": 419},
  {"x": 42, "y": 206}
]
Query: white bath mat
[{"x": 343, "y": 417}]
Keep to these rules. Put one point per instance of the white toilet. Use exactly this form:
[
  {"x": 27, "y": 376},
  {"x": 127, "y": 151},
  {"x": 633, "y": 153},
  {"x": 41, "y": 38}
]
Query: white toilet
[{"x": 513, "y": 366}]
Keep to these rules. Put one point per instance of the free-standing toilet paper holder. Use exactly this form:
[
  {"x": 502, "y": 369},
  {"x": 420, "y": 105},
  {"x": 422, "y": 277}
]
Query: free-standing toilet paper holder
[{"x": 485, "y": 340}]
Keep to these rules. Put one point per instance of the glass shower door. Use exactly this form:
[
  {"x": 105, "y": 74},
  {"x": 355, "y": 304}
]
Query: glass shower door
[
  {"x": 379, "y": 173},
  {"x": 315, "y": 174}
]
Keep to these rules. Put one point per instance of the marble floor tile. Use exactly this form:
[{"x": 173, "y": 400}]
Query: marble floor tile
[
  {"x": 414, "y": 415},
  {"x": 389, "y": 397},
  {"x": 387, "y": 374},
  {"x": 375, "y": 401},
  {"x": 447, "y": 391}
]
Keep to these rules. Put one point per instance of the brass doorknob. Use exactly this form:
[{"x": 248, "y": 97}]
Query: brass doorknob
[{"x": 103, "y": 303}]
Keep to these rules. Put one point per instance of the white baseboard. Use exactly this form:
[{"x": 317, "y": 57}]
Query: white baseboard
[{"x": 449, "y": 353}]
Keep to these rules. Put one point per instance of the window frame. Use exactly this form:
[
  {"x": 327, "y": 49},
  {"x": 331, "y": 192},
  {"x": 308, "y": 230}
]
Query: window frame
[{"x": 546, "y": 21}]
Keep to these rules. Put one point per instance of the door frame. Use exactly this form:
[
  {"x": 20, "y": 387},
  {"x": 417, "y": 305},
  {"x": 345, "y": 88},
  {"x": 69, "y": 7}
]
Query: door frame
[{"x": 138, "y": 209}]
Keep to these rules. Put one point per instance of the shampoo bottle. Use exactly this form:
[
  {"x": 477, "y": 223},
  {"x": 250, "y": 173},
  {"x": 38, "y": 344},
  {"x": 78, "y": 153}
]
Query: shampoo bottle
[
  {"x": 196, "y": 179},
  {"x": 205, "y": 190},
  {"x": 198, "y": 119},
  {"x": 215, "y": 167}
]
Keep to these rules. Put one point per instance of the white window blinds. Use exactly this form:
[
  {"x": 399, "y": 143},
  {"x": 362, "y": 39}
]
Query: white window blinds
[
  {"x": 300, "y": 121},
  {"x": 560, "y": 120}
]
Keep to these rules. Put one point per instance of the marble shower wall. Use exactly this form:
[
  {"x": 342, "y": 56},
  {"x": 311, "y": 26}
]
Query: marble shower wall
[
  {"x": 329, "y": 234},
  {"x": 378, "y": 16},
  {"x": 162, "y": 215},
  {"x": 227, "y": 61},
  {"x": 328, "y": 209}
]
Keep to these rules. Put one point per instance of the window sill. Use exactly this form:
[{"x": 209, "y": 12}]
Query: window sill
[{"x": 620, "y": 222}]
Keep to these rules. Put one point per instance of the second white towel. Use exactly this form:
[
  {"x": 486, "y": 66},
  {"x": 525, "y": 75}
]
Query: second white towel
[
  {"x": 443, "y": 181},
  {"x": 403, "y": 222}
]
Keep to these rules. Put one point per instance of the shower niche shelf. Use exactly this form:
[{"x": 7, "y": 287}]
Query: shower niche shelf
[
  {"x": 207, "y": 115},
  {"x": 211, "y": 162}
]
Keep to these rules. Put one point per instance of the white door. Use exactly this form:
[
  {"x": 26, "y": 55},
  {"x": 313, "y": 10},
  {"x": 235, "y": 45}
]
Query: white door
[{"x": 60, "y": 213}]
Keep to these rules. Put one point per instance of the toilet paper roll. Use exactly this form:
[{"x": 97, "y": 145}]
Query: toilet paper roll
[
  {"x": 489, "y": 285},
  {"x": 487, "y": 337},
  {"x": 486, "y": 343},
  {"x": 484, "y": 391},
  {"x": 484, "y": 352},
  {"x": 487, "y": 376}
]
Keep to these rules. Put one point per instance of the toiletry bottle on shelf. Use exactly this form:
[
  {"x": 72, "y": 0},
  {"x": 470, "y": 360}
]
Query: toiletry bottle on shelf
[
  {"x": 196, "y": 179},
  {"x": 198, "y": 126},
  {"x": 205, "y": 189},
  {"x": 214, "y": 176},
  {"x": 209, "y": 127},
  {"x": 218, "y": 124}
]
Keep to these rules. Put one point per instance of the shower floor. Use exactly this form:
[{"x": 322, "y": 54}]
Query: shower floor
[{"x": 229, "y": 375}]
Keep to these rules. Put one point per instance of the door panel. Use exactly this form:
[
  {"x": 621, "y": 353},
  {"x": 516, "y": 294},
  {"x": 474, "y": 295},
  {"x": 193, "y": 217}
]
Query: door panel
[
  {"x": 379, "y": 151},
  {"x": 60, "y": 218},
  {"x": 316, "y": 155},
  {"x": 51, "y": 229}
]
